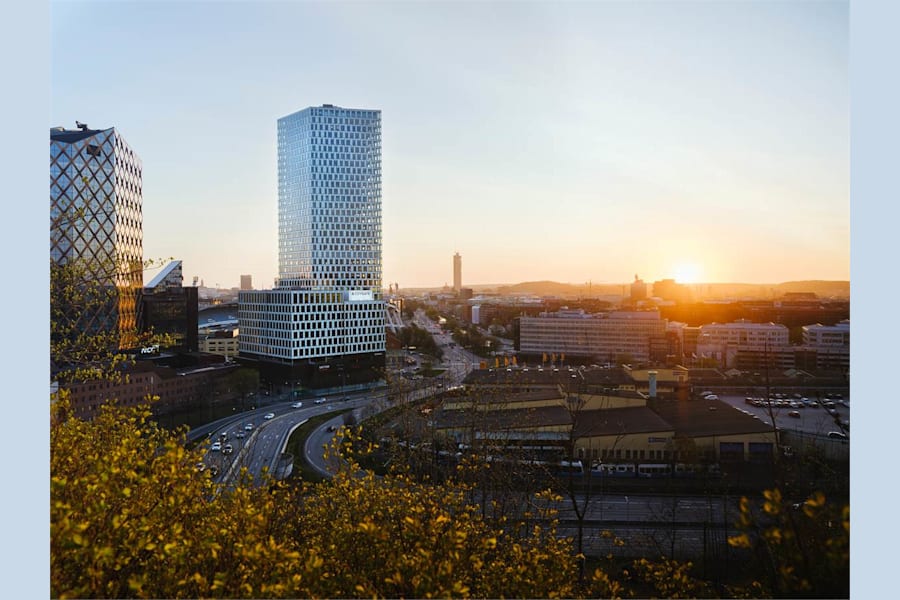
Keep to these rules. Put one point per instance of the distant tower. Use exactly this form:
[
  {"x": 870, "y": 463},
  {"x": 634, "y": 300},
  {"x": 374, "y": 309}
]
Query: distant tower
[
  {"x": 246, "y": 282},
  {"x": 196, "y": 281},
  {"x": 457, "y": 272},
  {"x": 638, "y": 289}
]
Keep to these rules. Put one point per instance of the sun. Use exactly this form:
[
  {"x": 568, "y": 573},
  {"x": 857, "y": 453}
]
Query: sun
[{"x": 686, "y": 273}]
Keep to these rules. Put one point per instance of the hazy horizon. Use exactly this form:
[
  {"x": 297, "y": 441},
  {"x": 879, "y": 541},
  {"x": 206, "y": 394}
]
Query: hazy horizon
[{"x": 573, "y": 142}]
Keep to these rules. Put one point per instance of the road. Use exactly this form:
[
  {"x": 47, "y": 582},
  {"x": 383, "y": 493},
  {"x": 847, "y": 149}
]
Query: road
[{"x": 261, "y": 448}]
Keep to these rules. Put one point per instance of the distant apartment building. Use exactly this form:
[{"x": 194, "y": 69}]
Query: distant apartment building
[
  {"x": 830, "y": 345},
  {"x": 324, "y": 322},
  {"x": 457, "y": 272},
  {"x": 618, "y": 336},
  {"x": 746, "y": 345},
  {"x": 246, "y": 282},
  {"x": 96, "y": 223}
]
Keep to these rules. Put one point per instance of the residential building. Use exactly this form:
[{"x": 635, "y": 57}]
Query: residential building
[
  {"x": 324, "y": 322},
  {"x": 96, "y": 224}
]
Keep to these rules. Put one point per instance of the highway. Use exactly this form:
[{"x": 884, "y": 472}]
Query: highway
[{"x": 260, "y": 448}]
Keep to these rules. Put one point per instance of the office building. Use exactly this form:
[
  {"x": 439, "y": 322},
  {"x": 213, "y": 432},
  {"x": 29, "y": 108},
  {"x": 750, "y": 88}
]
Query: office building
[
  {"x": 457, "y": 272},
  {"x": 96, "y": 225},
  {"x": 829, "y": 344},
  {"x": 324, "y": 322},
  {"x": 246, "y": 282},
  {"x": 615, "y": 337},
  {"x": 746, "y": 345},
  {"x": 168, "y": 308}
]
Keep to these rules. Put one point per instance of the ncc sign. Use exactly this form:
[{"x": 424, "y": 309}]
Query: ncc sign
[{"x": 154, "y": 349}]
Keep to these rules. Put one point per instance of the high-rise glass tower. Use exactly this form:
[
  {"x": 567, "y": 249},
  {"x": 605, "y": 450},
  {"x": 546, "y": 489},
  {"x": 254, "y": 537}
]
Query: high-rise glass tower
[
  {"x": 96, "y": 223},
  {"x": 326, "y": 309},
  {"x": 457, "y": 272}
]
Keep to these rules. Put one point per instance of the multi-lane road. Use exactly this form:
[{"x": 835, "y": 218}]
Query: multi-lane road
[{"x": 258, "y": 443}]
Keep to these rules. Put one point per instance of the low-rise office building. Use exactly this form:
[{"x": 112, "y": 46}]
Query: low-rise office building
[{"x": 616, "y": 337}]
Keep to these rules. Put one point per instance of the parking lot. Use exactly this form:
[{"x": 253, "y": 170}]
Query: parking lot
[{"x": 795, "y": 414}]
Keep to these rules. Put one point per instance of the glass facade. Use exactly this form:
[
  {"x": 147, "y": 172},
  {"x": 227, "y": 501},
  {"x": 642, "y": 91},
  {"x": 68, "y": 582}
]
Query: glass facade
[
  {"x": 329, "y": 199},
  {"x": 96, "y": 220},
  {"x": 328, "y": 299}
]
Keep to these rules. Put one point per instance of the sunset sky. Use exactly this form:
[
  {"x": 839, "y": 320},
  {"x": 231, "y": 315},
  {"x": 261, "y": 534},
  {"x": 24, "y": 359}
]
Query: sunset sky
[{"x": 569, "y": 141}]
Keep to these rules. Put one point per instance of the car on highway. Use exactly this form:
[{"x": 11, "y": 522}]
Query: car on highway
[
  {"x": 795, "y": 414},
  {"x": 269, "y": 416},
  {"x": 248, "y": 427},
  {"x": 240, "y": 434},
  {"x": 200, "y": 466},
  {"x": 321, "y": 401},
  {"x": 837, "y": 435},
  {"x": 297, "y": 405},
  {"x": 228, "y": 449},
  {"x": 214, "y": 470},
  {"x": 215, "y": 447}
]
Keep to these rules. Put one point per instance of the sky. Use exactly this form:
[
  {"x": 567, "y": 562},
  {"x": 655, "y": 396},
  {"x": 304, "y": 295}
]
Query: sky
[{"x": 564, "y": 141}]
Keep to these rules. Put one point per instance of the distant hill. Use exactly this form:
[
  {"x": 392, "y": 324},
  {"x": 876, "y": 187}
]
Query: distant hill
[
  {"x": 563, "y": 290},
  {"x": 701, "y": 291}
]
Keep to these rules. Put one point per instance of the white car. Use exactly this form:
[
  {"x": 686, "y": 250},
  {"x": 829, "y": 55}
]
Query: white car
[
  {"x": 297, "y": 405},
  {"x": 248, "y": 427},
  {"x": 269, "y": 416},
  {"x": 215, "y": 447},
  {"x": 321, "y": 401}
]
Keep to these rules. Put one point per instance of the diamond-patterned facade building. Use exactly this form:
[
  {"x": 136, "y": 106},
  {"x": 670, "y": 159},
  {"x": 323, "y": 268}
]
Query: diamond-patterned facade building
[{"x": 96, "y": 221}]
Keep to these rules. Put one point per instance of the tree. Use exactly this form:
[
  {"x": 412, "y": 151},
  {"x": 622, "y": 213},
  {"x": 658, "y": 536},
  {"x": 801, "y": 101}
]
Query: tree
[
  {"x": 801, "y": 549},
  {"x": 130, "y": 517}
]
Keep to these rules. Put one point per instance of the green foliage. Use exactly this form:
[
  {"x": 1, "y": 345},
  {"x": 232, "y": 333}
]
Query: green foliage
[
  {"x": 84, "y": 345},
  {"x": 421, "y": 339}
]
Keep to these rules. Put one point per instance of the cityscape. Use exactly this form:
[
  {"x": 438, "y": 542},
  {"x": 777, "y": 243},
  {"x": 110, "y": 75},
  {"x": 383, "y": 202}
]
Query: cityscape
[{"x": 375, "y": 377}]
